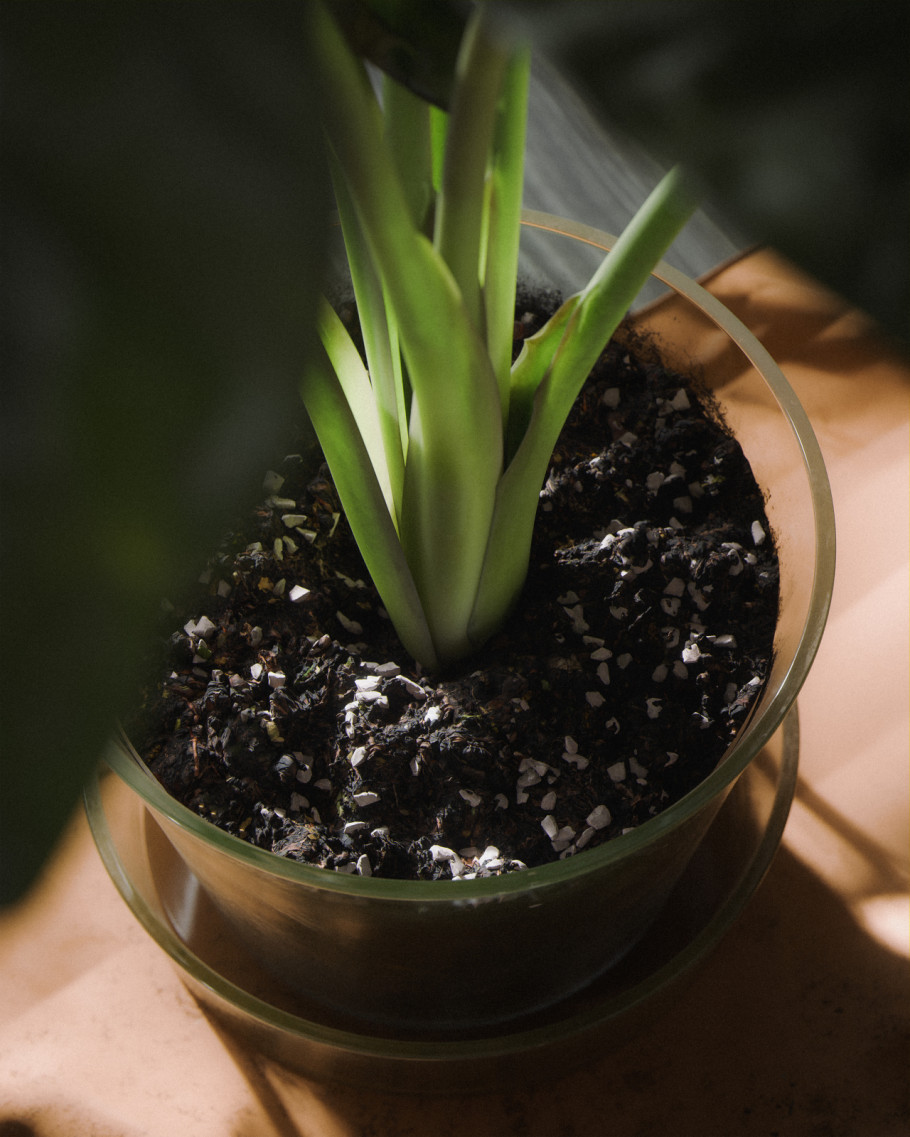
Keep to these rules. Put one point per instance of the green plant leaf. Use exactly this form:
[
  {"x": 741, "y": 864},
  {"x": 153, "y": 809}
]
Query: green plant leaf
[
  {"x": 530, "y": 369},
  {"x": 439, "y": 129},
  {"x": 354, "y": 380},
  {"x": 461, "y": 205},
  {"x": 364, "y": 506},
  {"x": 380, "y": 338},
  {"x": 454, "y": 455},
  {"x": 409, "y": 138},
  {"x": 504, "y": 221},
  {"x": 572, "y": 341},
  {"x": 464, "y": 524}
]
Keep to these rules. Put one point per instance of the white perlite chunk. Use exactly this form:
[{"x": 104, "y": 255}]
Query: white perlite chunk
[
  {"x": 441, "y": 853},
  {"x": 617, "y": 772},
  {"x": 736, "y": 562},
  {"x": 365, "y": 797},
  {"x": 350, "y": 626},
  {"x": 527, "y": 778},
  {"x": 298, "y": 594},
  {"x": 563, "y": 838},
  {"x": 610, "y": 398},
  {"x": 576, "y": 615},
  {"x": 357, "y": 756},
  {"x": 576, "y": 760},
  {"x": 680, "y": 401},
  {"x": 603, "y": 674},
  {"x": 758, "y": 533},
  {"x": 203, "y": 628},
  {"x": 637, "y": 769},
  {"x": 277, "y": 679},
  {"x": 548, "y": 801},
  {"x": 376, "y": 697},
  {"x": 595, "y": 699},
  {"x": 490, "y": 859},
  {"x": 550, "y": 826},
  {"x": 363, "y": 865},
  {"x": 472, "y": 798},
  {"x": 292, "y": 520},
  {"x": 412, "y": 688},
  {"x": 599, "y": 817},
  {"x": 533, "y": 764},
  {"x": 530, "y": 771}
]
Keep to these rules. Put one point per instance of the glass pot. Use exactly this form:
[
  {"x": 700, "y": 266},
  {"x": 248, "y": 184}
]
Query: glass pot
[{"x": 424, "y": 960}]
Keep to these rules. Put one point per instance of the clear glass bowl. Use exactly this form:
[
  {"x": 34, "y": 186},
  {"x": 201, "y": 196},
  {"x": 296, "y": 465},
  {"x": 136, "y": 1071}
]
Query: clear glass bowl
[
  {"x": 243, "y": 999},
  {"x": 436, "y": 961}
]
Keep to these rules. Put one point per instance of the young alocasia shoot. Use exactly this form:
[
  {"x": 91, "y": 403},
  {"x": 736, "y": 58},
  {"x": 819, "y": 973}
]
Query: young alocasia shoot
[{"x": 438, "y": 444}]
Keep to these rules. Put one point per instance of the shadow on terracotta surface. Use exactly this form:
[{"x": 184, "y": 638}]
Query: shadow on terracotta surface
[{"x": 718, "y": 1061}]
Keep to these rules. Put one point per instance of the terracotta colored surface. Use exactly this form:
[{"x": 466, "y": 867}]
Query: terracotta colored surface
[{"x": 797, "y": 1025}]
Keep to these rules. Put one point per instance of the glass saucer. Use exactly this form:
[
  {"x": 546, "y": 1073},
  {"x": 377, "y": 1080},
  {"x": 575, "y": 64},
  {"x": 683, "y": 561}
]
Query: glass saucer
[{"x": 239, "y": 997}]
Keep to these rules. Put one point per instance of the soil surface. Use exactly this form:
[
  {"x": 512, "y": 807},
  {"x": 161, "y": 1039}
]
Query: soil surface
[{"x": 286, "y": 711}]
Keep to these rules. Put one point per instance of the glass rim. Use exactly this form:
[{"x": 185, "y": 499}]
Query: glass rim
[{"x": 123, "y": 759}]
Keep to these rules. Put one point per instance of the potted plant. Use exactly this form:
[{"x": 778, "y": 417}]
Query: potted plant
[{"x": 438, "y": 445}]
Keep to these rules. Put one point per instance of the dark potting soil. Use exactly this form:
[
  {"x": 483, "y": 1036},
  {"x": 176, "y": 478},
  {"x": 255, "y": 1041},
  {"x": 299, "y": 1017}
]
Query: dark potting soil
[{"x": 287, "y": 712}]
